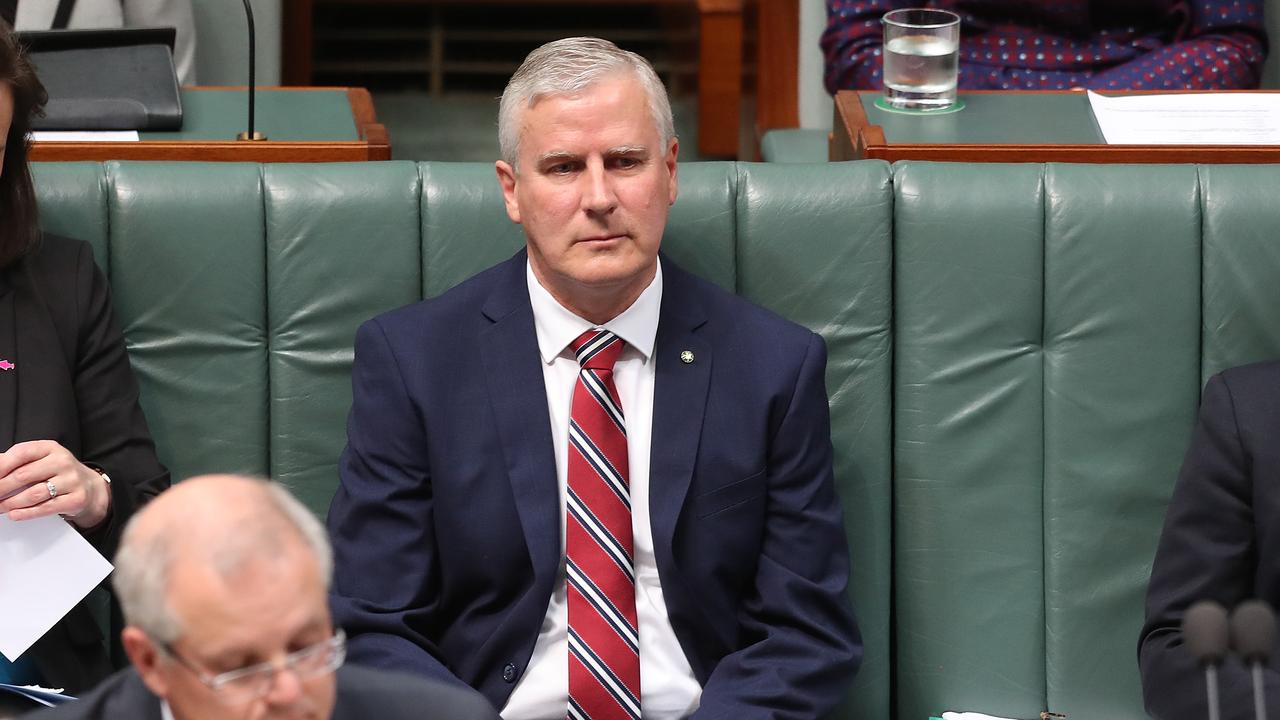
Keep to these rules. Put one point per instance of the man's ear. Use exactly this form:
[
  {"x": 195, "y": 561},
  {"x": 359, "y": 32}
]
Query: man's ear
[
  {"x": 147, "y": 658},
  {"x": 673, "y": 170},
  {"x": 507, "y": 179}
]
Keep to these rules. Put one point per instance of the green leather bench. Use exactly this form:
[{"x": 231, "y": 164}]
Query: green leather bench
[
  {"x": 794, "y": 145},
  {"x": 1016, "y": 353},
  {"x": 240, "y": 288},
  {"x": 1053, "y": 326}
]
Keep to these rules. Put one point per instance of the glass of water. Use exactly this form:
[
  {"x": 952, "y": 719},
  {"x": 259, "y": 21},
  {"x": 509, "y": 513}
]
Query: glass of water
[{"x": 920, "y": 58}]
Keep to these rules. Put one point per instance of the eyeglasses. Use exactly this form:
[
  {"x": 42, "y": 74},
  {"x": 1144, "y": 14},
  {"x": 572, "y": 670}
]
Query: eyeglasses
[{"x": 254, "y": 681}]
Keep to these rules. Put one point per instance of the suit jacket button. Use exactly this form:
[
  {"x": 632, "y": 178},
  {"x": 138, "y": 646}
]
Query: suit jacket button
[{"x": 509, "y": 672}]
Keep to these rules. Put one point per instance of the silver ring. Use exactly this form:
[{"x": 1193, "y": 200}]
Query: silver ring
[{"x": 53, "y": 489}]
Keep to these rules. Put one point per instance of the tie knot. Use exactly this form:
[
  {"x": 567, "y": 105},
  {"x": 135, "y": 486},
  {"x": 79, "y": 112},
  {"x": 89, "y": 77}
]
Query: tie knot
[{"x": 597, "y": 349}]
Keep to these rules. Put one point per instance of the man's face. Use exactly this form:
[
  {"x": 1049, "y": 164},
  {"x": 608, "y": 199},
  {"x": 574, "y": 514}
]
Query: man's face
[
  {"x": 592, "y": 190},
  {"x": 264, "y": 611}
]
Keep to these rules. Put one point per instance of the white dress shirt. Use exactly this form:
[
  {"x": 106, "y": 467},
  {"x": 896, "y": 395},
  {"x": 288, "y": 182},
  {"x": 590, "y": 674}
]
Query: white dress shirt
[{"x": 668, "y": 689}]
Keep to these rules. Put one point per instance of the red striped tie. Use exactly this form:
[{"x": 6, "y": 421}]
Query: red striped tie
[{"x": 604, "y": 645}]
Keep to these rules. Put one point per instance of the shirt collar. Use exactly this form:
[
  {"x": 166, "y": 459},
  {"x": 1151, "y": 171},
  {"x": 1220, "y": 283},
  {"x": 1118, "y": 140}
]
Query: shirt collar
[
  {"x": 165, "y": 712},
  {"x": 557, "y": 326}
]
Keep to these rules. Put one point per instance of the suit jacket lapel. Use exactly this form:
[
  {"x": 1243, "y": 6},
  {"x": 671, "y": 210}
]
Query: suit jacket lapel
[
  {"x": 9, "y": 354},
  {"x": 679, "y": 402},
  {"x": 42, "y": 363},
  {"x": 517, "y": 392}
]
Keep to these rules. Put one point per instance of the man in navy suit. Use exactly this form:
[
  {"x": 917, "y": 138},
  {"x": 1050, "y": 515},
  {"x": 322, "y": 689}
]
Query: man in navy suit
[
  {"x": 1221, "y": 542},
  {"x": 584, "y": 482}
]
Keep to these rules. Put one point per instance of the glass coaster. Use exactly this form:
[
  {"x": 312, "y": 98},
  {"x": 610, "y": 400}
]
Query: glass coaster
[{"x": 885, "y": 106}]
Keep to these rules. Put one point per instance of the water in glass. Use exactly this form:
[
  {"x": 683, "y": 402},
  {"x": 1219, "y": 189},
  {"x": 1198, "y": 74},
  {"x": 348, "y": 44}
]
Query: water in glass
[{"x": 920, "y": 60}]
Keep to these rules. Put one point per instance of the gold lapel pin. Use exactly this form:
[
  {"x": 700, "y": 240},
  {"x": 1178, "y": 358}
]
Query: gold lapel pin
[{"x": 686, "y": 357}]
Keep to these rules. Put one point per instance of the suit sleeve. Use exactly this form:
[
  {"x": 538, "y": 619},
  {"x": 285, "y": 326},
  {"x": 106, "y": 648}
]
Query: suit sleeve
[
  {"x": 386, "y": 576},
  {"x": 113, "y": 432},
  {"x": 802, "y": 644},
  {"x": 1206, "y": 551},
  {"x": 364, "y": 693}
]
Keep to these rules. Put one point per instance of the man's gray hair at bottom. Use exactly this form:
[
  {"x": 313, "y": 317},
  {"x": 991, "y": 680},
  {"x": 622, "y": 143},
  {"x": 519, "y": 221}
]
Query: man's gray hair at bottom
[
  {"x": 569, "y": 66},
  {"x": 144, "y": 560}
]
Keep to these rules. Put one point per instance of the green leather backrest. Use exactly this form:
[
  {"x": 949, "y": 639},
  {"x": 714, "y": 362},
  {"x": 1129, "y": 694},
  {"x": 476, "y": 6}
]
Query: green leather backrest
[
  {"x": 1053, "y": 327},
  {"x": 240, "y": 288},
  {"x": 1241, "y": 250}
]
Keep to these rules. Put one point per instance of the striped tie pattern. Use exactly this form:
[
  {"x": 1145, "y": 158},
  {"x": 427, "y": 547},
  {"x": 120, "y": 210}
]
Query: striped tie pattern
[{"x": 604, "y": 644}]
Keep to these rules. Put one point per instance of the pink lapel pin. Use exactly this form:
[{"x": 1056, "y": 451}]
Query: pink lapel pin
[{"x": 6, "y": 365}]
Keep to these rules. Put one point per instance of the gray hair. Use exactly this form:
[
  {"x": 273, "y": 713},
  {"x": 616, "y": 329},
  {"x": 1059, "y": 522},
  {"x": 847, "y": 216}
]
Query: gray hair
[
  {"x": 145, "y": 559},
  {"x": 569, "y": 66}
]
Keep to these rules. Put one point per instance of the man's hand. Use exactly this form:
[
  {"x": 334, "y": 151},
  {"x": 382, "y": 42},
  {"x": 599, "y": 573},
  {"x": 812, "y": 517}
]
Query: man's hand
[{"x": 40, "y": 477}]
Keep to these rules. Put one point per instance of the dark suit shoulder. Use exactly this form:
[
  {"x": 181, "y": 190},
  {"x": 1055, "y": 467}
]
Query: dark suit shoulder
[
  {"x": 123, "y": 695},
  {"x": 56, "y": 264},
  {"x": 56, "y": 256},
  {"x": 1254, "y": 382},
  {"x": 361, "y": 691},
  {"x": 1246, "y": 399}
]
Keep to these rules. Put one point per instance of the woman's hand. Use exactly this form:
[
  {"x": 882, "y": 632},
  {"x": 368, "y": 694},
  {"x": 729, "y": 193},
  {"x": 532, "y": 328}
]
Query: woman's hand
[{"x": 40, "y": 477}]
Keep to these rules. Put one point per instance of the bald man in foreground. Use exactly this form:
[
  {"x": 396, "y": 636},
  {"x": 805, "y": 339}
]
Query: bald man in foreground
[{"x": 224, "y": 585}]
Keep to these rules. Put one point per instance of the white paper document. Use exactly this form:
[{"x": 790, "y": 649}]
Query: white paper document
[
  {"x": 1189, "y": 118},
  {"x": 46, "y": 697},
  {"x": 46, "y": 567},
  {"x": 84, "y": 136}
]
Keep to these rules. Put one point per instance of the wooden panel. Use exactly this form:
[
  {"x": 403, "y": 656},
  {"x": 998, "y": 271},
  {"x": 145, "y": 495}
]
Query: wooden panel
[
  {"x": 298, "y": 43},
  {"x": 510, "y": 2},
  {"x": 777, "y": 72},
  {"x": 719, "y": 69},
  {"x": 719, "y": 78}
]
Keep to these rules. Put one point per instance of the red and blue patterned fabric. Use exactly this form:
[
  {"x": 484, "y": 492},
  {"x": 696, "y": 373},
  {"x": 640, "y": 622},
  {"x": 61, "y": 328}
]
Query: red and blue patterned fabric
[{"x": 1051, "y": 44}]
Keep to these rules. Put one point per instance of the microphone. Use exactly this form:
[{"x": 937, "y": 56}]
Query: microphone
[
  {"x": 253, "y": 54},
  {"x": 1253, "y": 632},
  {"x": 1204, "y": 627}
]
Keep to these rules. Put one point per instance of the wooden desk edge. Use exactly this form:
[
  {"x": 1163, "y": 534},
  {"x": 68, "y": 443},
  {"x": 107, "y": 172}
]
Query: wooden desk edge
[
  {"x": 1093, "y": 154},
  {"x": 861, "y": 140},
  {"x": 367, "y": 126},
  {"x": 858, "y": 136},
  {"x": 206, "y": 151},
  {"x": 374, "y": 143}
]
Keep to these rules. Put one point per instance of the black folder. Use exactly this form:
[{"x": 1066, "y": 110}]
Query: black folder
[{"x": 117, "y": 79}]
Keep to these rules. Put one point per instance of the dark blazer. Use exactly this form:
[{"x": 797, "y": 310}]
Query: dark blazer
[
  {"x": 446, "y": 524},
  {"x": 1221, "y": 542},
  {"x": 72, "y": 383},
  {"x": 362, "y": 695}
]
